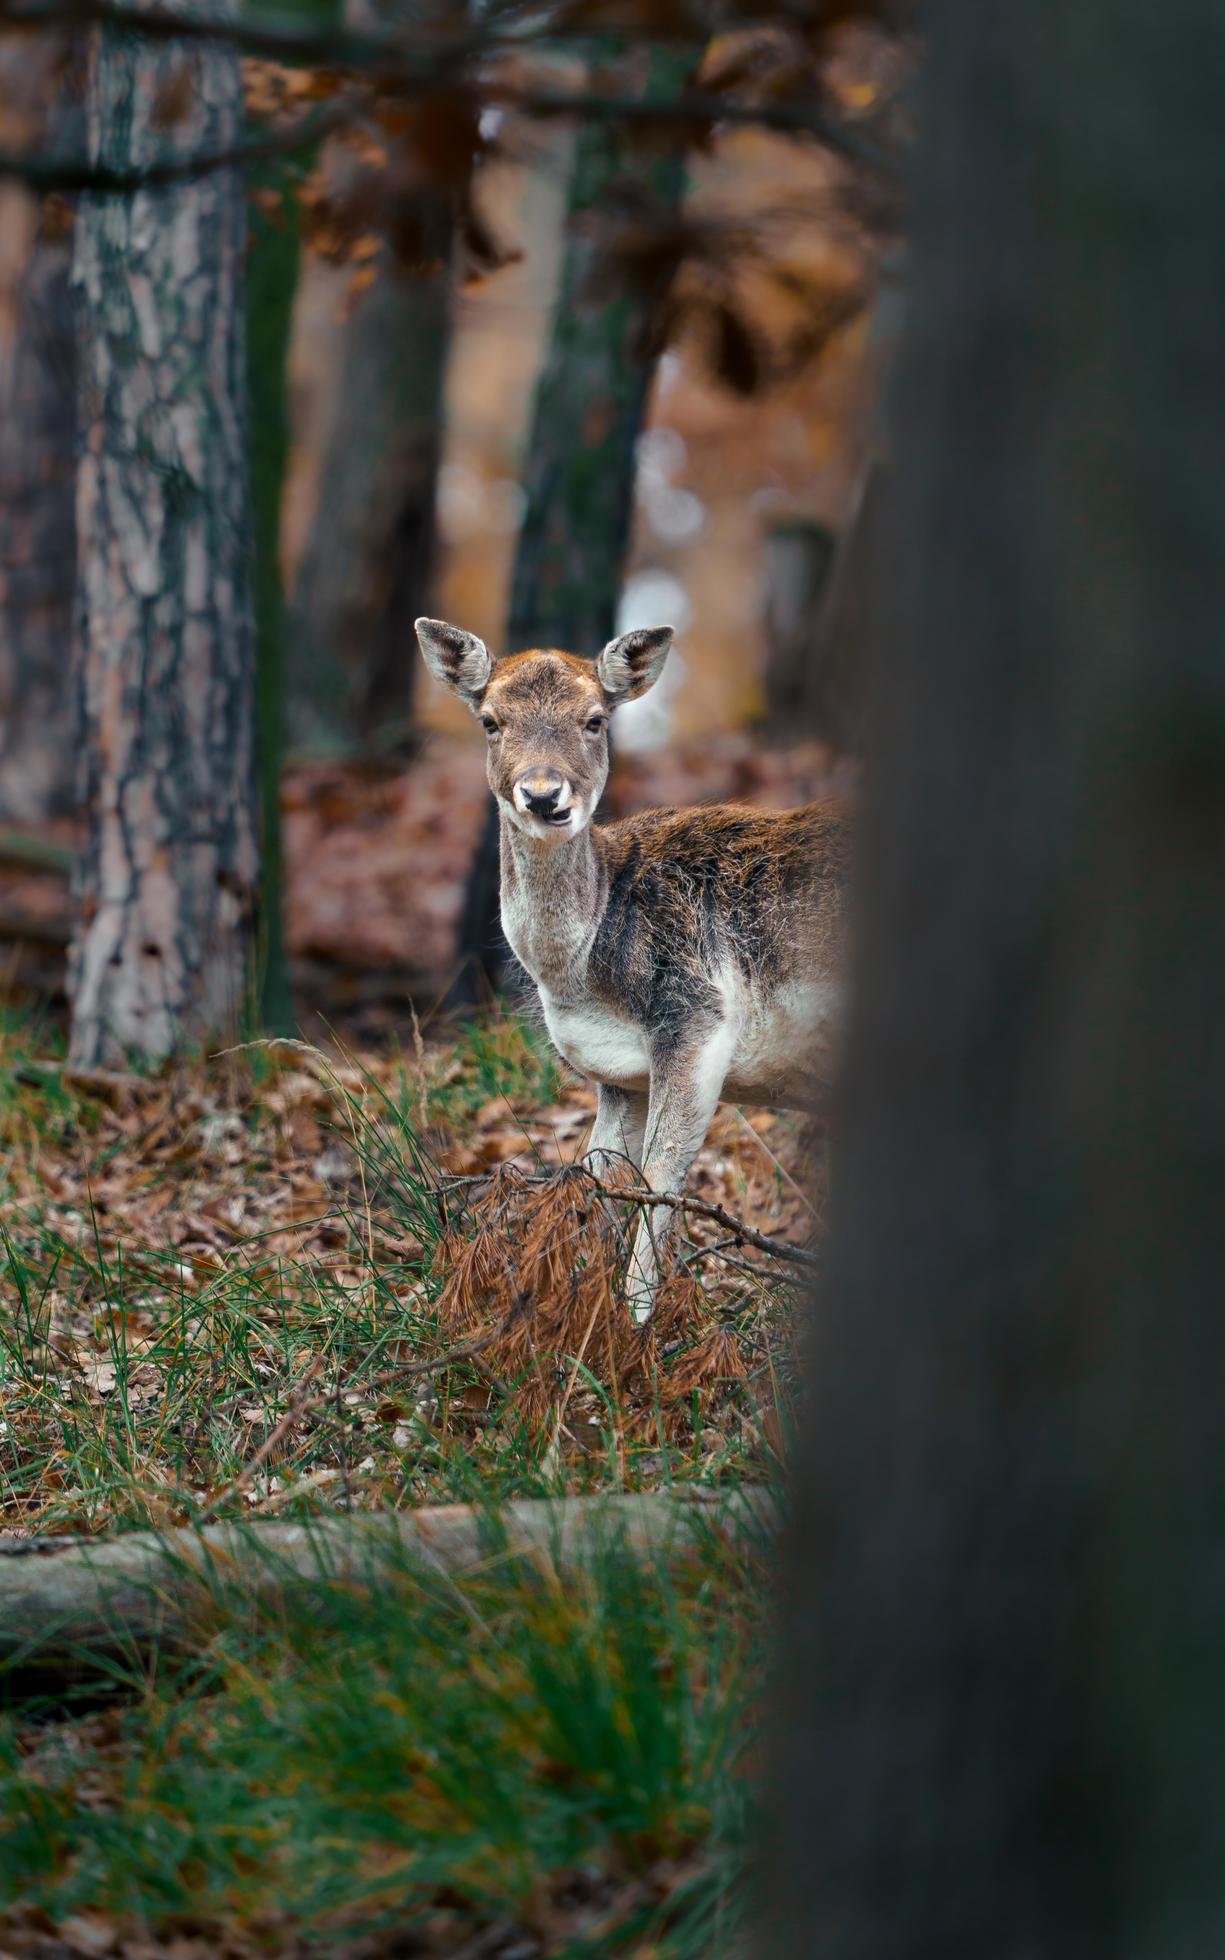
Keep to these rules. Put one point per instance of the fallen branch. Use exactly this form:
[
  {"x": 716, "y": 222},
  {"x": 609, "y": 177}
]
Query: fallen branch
[
  {"x": 796, "y": 1255},
  {"x": 738, "y": 1232},
  {"x": 65, "y": 1604},
  {"x": 299, "y": 1402}
]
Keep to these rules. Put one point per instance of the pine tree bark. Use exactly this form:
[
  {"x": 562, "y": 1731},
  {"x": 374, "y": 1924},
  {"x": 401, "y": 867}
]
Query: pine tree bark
[
  {"x": 38, "y": 747},
  {"x": 579, "y": 475},
  {"x": 1002, "y": 1708},
  {"x": 168, "y": 872},
  {"x": 592, "y": 395}
]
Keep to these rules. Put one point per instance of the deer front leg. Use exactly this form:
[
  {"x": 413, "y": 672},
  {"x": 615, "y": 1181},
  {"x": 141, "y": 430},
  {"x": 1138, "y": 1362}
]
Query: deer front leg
[
  {"x": 686, "y": 1083},
  {"x": 619, "y": 1129}
]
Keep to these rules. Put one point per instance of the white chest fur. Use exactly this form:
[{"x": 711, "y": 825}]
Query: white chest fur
[{"x": 598, "y": 1041}]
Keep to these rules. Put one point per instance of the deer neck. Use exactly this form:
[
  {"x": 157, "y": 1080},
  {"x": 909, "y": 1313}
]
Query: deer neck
[{"x": 553, "y": 898}]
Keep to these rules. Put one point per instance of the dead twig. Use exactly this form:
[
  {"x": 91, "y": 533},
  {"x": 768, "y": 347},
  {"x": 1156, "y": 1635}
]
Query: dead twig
[
  {"x": 298, "y": 1403},
  {"x": 301, "y": 1404},
  {"x": 739, "y": 1233}
]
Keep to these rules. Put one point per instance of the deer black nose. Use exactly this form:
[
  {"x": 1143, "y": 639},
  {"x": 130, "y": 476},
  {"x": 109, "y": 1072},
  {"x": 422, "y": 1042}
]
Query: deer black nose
[
  {"x": 542, "y": 804},
  {"x": 545, "y": 796}
]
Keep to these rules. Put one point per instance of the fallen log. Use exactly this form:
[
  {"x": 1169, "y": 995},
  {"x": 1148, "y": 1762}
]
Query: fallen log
[{"x": 74, "y": 1603}]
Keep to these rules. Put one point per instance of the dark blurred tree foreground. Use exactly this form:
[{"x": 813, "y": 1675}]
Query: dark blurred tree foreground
[
  {"x": 174, "y": 489},
  {"x": 1002, "y": 1715}
]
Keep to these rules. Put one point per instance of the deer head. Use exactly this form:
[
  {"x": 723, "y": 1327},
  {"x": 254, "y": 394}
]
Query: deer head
[{"x": 545, "y": 716}]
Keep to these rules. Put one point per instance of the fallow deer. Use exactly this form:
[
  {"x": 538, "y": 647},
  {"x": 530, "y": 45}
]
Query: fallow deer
[{"x": 682, "y": 957}]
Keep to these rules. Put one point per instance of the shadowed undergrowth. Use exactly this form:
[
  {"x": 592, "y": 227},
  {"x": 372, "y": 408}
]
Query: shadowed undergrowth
[{"x": 531, "y": 1765}]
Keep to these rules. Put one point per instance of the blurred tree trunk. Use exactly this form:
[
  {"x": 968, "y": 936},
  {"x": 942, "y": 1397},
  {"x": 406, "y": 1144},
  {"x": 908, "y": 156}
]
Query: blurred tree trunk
[
  {"x": 168, "y": 872},
  {"x": 832, "y": 700},
  {"x": 365, "y": 573},
  {"x": 272, "y": 277},
  {"x": 273, "y": 264},
  {"x": 1001, "y": 1714},
  {"x": 592, "y": 393},
  {"x": 587, "y": 415},
  {"x": 38, "y": 748},
  {"x": 796, "y": 559},
  {"x": 818, "y": 589},
  {"x": 369, "y": 559}
]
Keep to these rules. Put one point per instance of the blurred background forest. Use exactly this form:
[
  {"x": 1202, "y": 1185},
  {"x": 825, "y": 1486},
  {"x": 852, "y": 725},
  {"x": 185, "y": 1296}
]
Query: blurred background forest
[{"x": 552, "y": 320}]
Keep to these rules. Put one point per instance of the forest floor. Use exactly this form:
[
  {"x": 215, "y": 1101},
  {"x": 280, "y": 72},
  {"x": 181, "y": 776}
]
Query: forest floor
[{"x": 291, "y": 1280}]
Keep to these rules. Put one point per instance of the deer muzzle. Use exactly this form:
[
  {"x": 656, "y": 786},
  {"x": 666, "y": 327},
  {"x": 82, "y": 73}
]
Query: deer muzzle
[{"x": 545, "y": 795}]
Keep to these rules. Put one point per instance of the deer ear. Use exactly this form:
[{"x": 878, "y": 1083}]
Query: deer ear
[
  {"x": 633, "y": 662},
  {"x": 458, "y": 659}
]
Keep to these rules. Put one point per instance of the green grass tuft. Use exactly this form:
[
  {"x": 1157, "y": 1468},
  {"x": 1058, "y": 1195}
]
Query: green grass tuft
[{"x": 563, "y": 1755}]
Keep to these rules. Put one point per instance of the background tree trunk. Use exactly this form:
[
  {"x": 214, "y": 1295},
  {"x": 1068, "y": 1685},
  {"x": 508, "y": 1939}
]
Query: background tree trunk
[
  {"x": 369, "y": 559},
  {"x": 366, "y": 570},
  {"x": 168, "y": 873},
  {"x": 272, "y": 277},
  {"x": 38, "y": 747},
  {"x": 832, "y": 701},
  {"x": 796, "y": 559},
  {"x": 274, "y": 259},
  {"x": 579, "y": 474},
  {"x": 592, "y": 394},
  {"x": 1000, "y": 1721}
]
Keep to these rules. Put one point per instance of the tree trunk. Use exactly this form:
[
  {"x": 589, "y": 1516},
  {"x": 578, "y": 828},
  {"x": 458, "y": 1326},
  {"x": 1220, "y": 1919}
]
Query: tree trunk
[
  {"x": 272, "y": 277},
  {"x": 38, "y": 747},
  {"x": 1000, "y": 1722},
  {"x": 366, "y": 570},
  {"x": 591, "y": 396},
  {"x": 833, "y": 704},
  {"x": 796, "y": 561},
  {"x": 579, "y": 476},
  {"x": 168, "y": 872},
  {"x": 274, "y": 256}
]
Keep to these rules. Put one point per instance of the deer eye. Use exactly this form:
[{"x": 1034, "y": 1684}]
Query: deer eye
[
  {"x": 489, "y": 725},
  {"x": 595, "y": 724}
]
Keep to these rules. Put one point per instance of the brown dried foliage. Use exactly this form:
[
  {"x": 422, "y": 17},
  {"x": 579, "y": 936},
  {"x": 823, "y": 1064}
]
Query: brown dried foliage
[
  {"x": 406, "y": 168},
  {"x": 756, "y": 312},
  {"x": 406, "y": 174},
  {"x": 541, "y": 1269}
]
